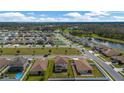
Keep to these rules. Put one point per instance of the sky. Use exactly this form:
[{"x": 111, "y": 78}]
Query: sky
[{"x": 62, "y": 16}]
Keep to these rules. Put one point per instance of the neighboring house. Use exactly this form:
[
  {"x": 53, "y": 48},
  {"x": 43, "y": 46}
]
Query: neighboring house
[
  {"x": 39, "y": 67},
  {"x": 109, "y": 52},
  {"x": 118, "y": 59},
  {"x": 18, "y": 64},
  {"x": 82, "y": 67},
  {"x": 4, "y": 62},
  {"x": 60, "y": 64}
]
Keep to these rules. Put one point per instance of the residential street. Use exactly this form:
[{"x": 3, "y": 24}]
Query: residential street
[{"x": 109, "y": 69}]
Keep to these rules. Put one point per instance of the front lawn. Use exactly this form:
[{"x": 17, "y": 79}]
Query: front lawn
[{"x": 35, "y": 78}]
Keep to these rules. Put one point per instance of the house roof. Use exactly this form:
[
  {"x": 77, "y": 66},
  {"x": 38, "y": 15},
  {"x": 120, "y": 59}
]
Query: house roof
[
  {"x": 60, "y": 60},
  {"x": 19, "y": 61},
  {"x": 4, "y": 62},
  {"x": 39, "y": 65},
  {"x": 120, "y": 58},
  {"x": 82, "y": 64},
  {"x": 111, "y": 52}
]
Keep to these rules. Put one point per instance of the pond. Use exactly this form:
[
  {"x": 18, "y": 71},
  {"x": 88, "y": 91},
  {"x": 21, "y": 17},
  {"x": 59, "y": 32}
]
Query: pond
[{"x": 108, "y": 44}]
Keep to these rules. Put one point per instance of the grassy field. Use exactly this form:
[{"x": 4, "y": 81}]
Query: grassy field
[
  {"x": 118, "y": 66},
  {"x": 40, "y": 51},
  {"x": 35, "y": 78}
]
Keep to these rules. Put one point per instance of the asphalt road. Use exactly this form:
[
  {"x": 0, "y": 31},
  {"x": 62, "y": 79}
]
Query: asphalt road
[{"x": 109, "y": 69}]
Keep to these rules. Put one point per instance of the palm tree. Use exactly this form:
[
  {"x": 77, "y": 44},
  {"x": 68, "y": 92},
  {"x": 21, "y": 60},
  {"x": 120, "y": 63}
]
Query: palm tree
[
  {"x": 50, "y": 51},
  {"x": 18, "y": 52},
  {"x": 66, "y": 52},
  {"x": 1, "y": 51}
]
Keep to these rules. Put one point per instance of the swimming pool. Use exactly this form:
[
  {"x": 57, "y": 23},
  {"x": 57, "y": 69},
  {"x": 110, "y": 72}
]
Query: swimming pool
[{"x": 19, "y": 75}]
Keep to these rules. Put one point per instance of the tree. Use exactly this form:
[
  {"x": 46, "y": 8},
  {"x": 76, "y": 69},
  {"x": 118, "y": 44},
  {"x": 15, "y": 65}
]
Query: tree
[
  {"x": 50, "y": 51},
  {"x": 18, "y": 52},
  {"x": 1, "y": 51},
  {"x": 66, "y": 52}
]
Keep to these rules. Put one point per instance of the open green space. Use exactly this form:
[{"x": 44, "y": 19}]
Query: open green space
[
  {"x": 39, "y": 51},
  {"x": 119, "y": 65}
]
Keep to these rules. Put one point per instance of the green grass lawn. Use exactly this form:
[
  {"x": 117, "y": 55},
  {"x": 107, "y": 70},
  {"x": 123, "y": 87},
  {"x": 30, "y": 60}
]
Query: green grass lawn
[
  {"x": 119, "y": 65},
  {"x": 40, "y": 51},
  {"x": 35, "y": 78},
  {"x": 11, "y": 75}
]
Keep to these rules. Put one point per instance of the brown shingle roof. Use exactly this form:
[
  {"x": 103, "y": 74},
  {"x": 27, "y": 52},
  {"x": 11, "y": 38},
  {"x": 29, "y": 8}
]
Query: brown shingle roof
[
  {"x": 60, "y": 60},
  {"x": 39, "y": 65},
  {"x": 4, "y": 62},
  {"x": 82, "y": 64},
  {"x": 19, "y": 61},
  {"x": 111, "y": 52},
  {"x": 119, "y": 58}
]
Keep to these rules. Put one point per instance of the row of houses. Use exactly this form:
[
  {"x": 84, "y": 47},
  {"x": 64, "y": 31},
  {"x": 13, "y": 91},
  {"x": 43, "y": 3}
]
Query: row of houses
[
  {"x": 115, "y": 55},
  {"x": 28, "y": 37},
  {"x": 81, "y": 66}
]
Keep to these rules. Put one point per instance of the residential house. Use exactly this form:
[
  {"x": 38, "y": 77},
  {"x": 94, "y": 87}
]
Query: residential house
[
  {"x": 60, "y": 64},
  {"x": 39, "y": 67},
  {"x": 4, "y": 62},
  {"x": 18, "y": 64},
  {"x": 82, "y": 67},
  {"x": 118, "y": 59},
  {"x": 110, "y": 52}
]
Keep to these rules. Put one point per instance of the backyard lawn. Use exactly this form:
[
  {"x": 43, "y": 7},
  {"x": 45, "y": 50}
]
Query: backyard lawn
[{"x": 39, "y": 51}]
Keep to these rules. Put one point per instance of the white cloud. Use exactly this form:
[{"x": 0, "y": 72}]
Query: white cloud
[
  {"x": 15, "y": 16},
  {"x": 68, "y": 17},
  {"x": 97, "y": 14},
  {"x": 19, "y": 17},
  {"x": 118, "y": 17},
  {"x": 73, "y": 14}
]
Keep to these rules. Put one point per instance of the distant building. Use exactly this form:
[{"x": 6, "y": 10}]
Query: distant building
[
  {"x": 82, "y": 67},
  {"x": 60, "y": 64},
  {"x": 109, "y": 52},
  {"x": 39, "y": 67}
]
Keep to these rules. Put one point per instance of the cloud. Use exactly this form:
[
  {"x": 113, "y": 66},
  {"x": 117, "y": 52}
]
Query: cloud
[
  {"x": 97, "y": 14},
  {"x": 73, "y": 14},
  {"x": 118, "y": 17},
  {"x": 15, "y": 16},
  {"x": 19, "y": 17}
]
